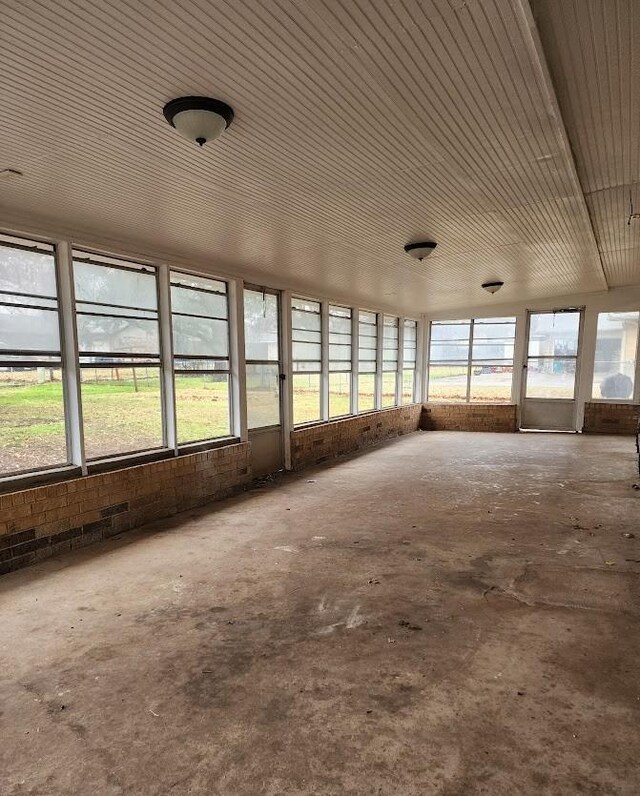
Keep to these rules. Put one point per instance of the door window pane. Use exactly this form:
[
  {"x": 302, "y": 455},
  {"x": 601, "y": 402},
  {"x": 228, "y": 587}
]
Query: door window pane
[
  {"x": 261, "y": 333},
  {"x": 551, "y": 378},
  {"x": 263, "y": 395},
  {"x": 262, "y": 342},
  {"x": 553, "y": 334},
  {"x": 32, "y": 421},
  {"x": 615, "y": 360}
]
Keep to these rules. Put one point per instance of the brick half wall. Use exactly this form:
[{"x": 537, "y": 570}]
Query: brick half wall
[
  {"x": 469, "y": 417},
  {"x": 605, "y": 418},
  {"x": 36, "y": 523},
  {"x": 324, "y": 441}
]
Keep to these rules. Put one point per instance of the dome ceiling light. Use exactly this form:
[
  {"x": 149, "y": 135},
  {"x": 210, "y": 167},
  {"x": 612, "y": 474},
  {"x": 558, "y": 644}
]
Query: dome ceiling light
[
  {"x": 492, "y": 287},
  {"x": 199, "y": 119},
  {"x": 420, "y": 250}
]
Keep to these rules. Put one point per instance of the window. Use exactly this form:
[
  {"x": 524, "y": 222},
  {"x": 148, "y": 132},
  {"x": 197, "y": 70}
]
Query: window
[
  {"x": 262, "y": 351},
  {"x": 306, "y": 335},
  {"x": 616, "y": 351},
  {"x": 200, "y": 326},
  {"x": 492, "y": 360},
  {"x": 472, "y": 360},
  {"x": 119, "y": 347},
  {"x": 409, "y": 358},
  {"x": 339, "y": 361},
  {"x": 32, "y": 421},
  {"x": 367, "y": 360},
  {"x": 389, "y": 360}
]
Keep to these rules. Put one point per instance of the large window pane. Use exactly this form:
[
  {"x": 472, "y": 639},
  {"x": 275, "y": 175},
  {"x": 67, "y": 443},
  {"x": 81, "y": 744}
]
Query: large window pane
[
  {"x": 263, "y": 395},
  {"x": 306, "y": 335},
  {"x": 199, "y": 320},
  {"x": 389, "y": 379},
  {"x": 448, "y": 382},
  {"x": 306, "y": 397},
  {"x": 119, "y": 346},
  {"x": 491, "y": 383},
  {"x": 366, "y": 392},
  {"x": 367, "y": 360},
  {"x": 122, "y": 410},
  {"x": 408, "y": 385},
  {"x": 551, "y": 378},
  {"x": 615, "y": 360},
  {"x": 482, "y": 371},
  {"x": 339, "y": 394},
  {"x": 390, "y": 343},
  {"x": 202, "y": 405},
  {"x": 32, "y": 422},
  {"x": 32, "y": 431}
]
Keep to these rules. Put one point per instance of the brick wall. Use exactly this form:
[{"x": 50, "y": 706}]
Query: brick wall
[
  {"x": 319, "y": 443},
  {"x": 37, "y": 522},
  {"x": 469, "y": 417},
  {"x": 604, "y": 418}
]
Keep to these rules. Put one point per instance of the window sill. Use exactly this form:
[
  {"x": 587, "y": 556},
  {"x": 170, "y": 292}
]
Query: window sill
[{"x": 17, "y": 483}]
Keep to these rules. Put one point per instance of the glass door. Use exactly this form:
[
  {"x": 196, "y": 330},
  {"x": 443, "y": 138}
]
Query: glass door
[
  {"x": 553, "y": 346},
  {"x": 264, "y": 369}
]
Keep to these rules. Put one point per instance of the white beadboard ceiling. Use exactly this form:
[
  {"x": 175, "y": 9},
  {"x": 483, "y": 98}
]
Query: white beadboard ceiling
[
  {"x": 593, "y": 52},
  {"x": 360, "y": 125}
]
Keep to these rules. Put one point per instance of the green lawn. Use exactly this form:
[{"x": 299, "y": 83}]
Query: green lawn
[{"x": 122, "y": 414}]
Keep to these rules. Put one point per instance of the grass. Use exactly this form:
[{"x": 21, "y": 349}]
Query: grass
[{"x": 125, "y": 414}]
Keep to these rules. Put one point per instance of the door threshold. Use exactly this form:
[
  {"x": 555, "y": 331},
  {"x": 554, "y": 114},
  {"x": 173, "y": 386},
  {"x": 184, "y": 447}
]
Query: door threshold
[{"x": 549, "y": 431}]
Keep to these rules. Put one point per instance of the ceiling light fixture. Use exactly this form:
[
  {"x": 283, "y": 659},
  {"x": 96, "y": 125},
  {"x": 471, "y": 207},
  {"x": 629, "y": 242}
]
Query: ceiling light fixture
[
  {"x": 492, "y": 287},
  {"x": 200, "y": 119},
  {"x": 420, "y": 250}
]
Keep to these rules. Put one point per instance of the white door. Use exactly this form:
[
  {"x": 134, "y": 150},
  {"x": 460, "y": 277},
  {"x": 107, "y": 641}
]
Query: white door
[
  {"x": 264, "y": 379},
  {"x": 551, "y": 370}
]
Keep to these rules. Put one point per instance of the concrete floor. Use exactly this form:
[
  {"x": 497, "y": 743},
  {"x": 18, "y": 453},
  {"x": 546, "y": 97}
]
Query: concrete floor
[{"x": 448, "y": 614}]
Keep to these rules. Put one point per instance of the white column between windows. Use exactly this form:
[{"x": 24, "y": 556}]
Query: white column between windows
[
  {"x": 166, "y": 358},
  {"x": 379, "y": 359},
  {"x": 70, "y": 363},
  {"x": 422, "y": 350},
  {"x": 237, "y": 362},
  {"x": 324, "y": 374},
  {"x": 286, "y": 384},
  {"x": 355, "y": 362},
  {"x": 400, "y": 365}
]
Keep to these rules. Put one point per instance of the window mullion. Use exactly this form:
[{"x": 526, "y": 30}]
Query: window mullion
[
  {"x": 70, "y": 358},
  {"x": 166, "y": 358},
  {"x": 470, "y": 361},
  {"x": 355, "y": 354},
  {"x": 400, "y": 364},
  {"x": 379, "y": 360},
  {"x": 324, "y": 349}
]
